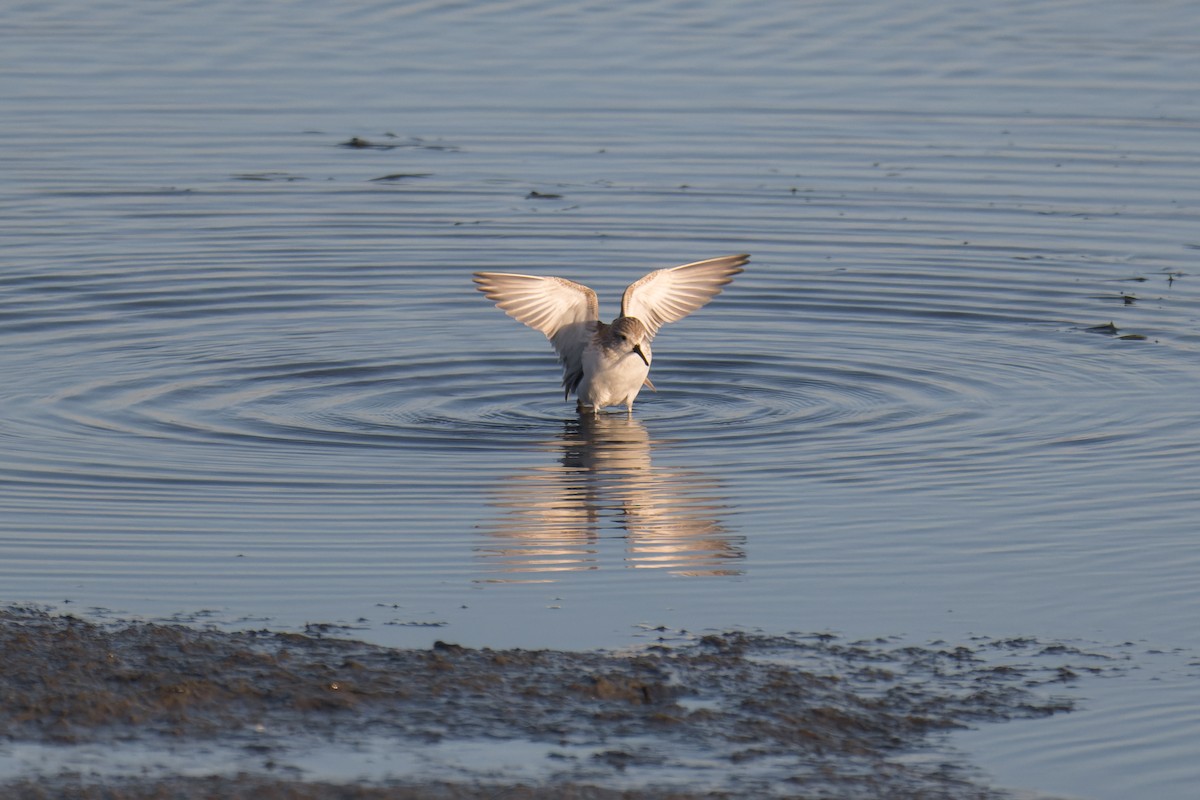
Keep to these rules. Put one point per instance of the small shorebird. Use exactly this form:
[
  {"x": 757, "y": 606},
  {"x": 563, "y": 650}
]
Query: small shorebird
[{"x": 607, "y": 365}]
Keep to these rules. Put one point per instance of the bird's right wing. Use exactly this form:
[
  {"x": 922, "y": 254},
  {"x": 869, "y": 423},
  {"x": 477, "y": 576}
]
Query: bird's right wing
[{"x": 567, "y": 312}]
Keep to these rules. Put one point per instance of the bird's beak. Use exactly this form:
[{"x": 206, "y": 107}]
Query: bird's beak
[{"x": 637, "y": 348}]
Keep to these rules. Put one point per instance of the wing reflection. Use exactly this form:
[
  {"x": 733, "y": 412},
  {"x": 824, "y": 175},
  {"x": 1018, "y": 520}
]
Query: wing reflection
[{"x": 604, "y": 501}]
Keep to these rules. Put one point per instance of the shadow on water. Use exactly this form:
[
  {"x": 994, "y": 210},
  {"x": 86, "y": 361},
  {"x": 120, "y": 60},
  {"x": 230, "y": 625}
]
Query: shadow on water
[{"x": 604, "y": 486}]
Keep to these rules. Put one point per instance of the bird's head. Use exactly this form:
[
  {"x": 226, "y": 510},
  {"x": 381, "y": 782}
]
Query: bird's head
[{"x": 628, "y": 334}]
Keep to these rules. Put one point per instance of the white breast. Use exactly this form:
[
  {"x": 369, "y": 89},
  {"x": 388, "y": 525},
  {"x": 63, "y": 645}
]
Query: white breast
[{"x": 612, "y": 378}]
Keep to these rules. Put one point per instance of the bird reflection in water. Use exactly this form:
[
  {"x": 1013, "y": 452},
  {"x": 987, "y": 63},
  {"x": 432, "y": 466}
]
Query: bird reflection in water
[{"x": 566, "y": 516}]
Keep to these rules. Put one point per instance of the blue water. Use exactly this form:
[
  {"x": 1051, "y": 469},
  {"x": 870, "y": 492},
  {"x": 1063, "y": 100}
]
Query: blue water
[{"x": 246, "y": 377}]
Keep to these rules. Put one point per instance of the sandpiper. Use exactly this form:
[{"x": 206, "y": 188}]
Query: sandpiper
[{"x": 607, "y": 364}]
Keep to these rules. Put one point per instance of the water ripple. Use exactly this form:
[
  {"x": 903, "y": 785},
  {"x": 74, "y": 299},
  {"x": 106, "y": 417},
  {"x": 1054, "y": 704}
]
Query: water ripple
[{"x": 882, "y": 368}]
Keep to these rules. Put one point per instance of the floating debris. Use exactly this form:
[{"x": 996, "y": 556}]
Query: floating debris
[
  {"x": 364, "y": 144},
  {"x": 400, "y": 176},
  {"x": 268, "y": 176},
  {"x": 536, "y": 195},
  {"x": 359, "y": 143},
  {"x": 1108, "y": 328}
]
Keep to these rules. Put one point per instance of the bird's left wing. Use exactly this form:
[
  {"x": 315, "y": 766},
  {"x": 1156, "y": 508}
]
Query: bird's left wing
[{"x": 668, "y": 295}]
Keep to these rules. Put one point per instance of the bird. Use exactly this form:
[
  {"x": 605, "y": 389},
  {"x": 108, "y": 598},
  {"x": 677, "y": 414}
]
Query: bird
[{"x": 607, "y": 364}]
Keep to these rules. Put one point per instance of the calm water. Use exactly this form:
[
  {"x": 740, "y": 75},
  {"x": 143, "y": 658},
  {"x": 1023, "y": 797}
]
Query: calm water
[{"x": 244, "y": 371}]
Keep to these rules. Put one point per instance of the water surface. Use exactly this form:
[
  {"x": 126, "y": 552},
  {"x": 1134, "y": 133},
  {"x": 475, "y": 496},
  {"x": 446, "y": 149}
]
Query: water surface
[{"x": 246, "y": 377}]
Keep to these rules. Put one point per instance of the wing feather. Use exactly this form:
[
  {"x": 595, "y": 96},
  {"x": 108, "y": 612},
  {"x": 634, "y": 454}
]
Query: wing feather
[
  {"x": 565, "y": 311},
  {"x": 669, "y": 295}
]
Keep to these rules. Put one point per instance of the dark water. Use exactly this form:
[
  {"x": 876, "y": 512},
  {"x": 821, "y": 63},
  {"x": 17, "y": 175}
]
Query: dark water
[{"x": 246, "y": 376}]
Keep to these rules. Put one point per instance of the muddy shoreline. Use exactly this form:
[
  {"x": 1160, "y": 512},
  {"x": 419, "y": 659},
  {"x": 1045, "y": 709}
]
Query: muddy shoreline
[{"x": 721, "y": 716}]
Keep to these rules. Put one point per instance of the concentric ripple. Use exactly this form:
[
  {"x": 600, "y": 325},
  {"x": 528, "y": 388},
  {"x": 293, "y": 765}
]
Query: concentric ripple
[{"x": 762, "y": 370}]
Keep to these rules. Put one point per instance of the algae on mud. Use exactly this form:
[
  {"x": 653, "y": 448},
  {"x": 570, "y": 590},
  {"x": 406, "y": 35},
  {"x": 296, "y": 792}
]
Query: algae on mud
[{"x": 781, "y": 716}]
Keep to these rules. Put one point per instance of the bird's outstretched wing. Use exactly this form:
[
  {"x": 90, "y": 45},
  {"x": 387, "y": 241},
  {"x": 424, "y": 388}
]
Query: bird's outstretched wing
[
  {"x": 567, "y": 312},
  {"x": 668, "y": 295}
]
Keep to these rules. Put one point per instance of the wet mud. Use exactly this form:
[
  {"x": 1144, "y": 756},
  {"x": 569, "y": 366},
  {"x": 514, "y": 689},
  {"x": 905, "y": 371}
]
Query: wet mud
[{"x": 729, "y": 715}]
